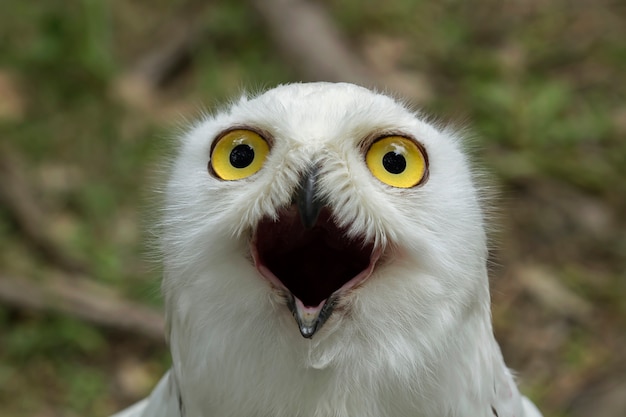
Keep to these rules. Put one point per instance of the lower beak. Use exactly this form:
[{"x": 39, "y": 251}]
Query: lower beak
[{"x": 310, "y": 319}]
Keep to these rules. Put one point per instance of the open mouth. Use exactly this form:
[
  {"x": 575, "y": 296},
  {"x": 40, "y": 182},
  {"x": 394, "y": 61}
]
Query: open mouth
[{"x": 315, "y": 264}]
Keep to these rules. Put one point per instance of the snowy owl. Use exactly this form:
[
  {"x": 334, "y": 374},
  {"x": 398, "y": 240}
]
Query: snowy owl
[{"x": 325, "y": 256}]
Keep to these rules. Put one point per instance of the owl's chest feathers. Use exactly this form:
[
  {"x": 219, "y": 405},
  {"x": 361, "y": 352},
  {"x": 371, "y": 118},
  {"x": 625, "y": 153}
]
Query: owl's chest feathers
[{"x": 241, "y": 372}]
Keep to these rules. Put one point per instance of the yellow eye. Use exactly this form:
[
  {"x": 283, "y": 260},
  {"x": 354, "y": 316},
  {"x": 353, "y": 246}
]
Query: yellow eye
[
  {"x": 238, "y": 154},
  {"x": 397, "y": 161}
]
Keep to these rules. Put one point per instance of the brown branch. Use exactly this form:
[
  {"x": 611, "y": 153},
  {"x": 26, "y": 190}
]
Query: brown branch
[
  {"x": 170, "y": 54},
  {"x": 84, "y": 300},
  {"x": 306, "y": 35},
  {"x": 308, "y": 38},
  {"x": 139, "y": 85},
  {"x": 17, "y": 196},
  {"x": 552, "y": 294}
]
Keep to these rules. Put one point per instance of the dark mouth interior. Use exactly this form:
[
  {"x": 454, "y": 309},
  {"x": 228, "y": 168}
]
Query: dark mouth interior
[{"x": 312, "y": 263}]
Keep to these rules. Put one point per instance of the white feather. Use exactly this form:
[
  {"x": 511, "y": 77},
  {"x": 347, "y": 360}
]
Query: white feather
[{"x": 417, "y": 339}]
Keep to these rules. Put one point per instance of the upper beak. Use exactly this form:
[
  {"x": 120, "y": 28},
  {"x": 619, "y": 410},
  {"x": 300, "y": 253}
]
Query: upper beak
[
  {"x": 309, "y": 205},
  {"x": 308, "y": 202}
]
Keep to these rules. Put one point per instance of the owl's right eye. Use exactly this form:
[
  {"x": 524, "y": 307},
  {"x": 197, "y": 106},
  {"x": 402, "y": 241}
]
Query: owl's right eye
[{"x": 238, "y": 154}]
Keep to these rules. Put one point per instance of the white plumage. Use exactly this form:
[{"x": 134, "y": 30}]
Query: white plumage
[{"x": 341, "y": 208}]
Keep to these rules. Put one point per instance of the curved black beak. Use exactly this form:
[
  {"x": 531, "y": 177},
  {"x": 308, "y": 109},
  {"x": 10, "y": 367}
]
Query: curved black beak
[
  {"x": 309, "y": 205},
  {"x": 308, "y": 202}
]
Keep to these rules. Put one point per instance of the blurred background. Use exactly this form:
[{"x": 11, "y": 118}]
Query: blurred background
[{"x": 92, "y": 93}]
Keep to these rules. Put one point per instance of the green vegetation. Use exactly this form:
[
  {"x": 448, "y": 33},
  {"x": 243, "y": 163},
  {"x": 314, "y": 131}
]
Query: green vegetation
[{"x": 540, "y": 85}]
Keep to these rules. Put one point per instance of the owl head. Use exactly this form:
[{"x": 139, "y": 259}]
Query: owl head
[{"x": 330, "y": 203}]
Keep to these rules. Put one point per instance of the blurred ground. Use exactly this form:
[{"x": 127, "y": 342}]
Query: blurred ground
[{"x": 91, "y": 92}]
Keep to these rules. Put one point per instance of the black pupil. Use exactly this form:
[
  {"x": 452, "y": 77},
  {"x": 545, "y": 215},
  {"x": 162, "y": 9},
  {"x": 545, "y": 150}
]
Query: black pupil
[
  {"x": 394, "y": 162},
  {"x": 241, "y": 156}
]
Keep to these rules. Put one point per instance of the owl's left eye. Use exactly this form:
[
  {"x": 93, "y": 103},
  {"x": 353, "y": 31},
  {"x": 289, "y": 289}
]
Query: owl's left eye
[
  {"x": 238, "y": 154},
  {"x": 397, "y": 161}
]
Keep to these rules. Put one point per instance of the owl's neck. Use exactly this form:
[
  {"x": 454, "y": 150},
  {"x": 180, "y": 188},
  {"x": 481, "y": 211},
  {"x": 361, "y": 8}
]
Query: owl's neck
[{"x": 251, "y": 365}]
